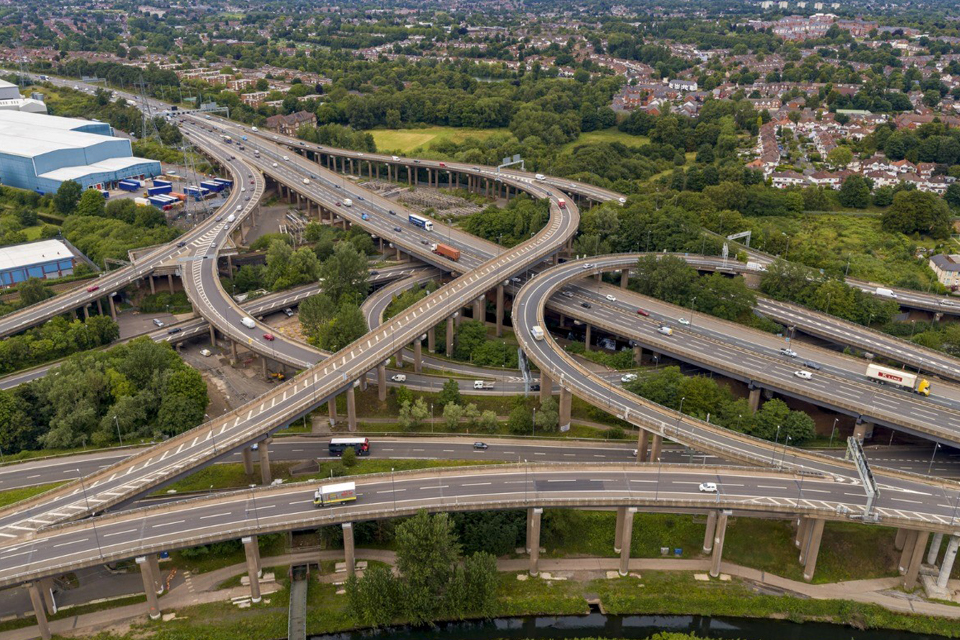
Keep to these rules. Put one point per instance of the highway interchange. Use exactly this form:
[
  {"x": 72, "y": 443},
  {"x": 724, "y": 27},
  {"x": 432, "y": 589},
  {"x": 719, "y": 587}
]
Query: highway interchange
[{"x": 832, "y": 493}]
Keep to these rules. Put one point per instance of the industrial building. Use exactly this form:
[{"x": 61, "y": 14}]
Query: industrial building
[
  {"x": 11, "y": 100},
  {"x": 46, "y": 259},
  {"x": 39, "y": 152}
]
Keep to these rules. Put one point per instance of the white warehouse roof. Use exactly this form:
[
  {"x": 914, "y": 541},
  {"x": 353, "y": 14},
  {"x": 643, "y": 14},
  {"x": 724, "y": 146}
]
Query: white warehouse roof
[
  {"x": 17, "y": 140},
  {"x": 104, "y": 166},
  {"x": 41, "y": 120},
  {"x": 24, "y": 255}
]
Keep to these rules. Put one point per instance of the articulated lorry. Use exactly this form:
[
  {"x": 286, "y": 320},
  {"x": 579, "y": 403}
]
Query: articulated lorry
[
  {"x": 446, "y": 250},
  {"x": 902, "y": 379}
]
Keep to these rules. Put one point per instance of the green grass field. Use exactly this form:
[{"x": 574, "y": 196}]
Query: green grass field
[
  {"x": 406, "y": 140},
  {"x": 607, "y": 135}
]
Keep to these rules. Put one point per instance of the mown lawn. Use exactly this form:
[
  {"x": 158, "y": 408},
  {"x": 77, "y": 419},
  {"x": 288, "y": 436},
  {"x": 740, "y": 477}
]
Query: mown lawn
[
  {"x": 406, "y": 140},
  {"x": 607, "y": 135}
]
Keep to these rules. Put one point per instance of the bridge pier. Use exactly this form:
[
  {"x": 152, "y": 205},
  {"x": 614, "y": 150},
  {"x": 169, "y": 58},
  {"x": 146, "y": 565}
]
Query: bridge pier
[
  {"x": 449, "y": 336},
  {"x": 566, "y": 401},
  {"x": 934, "y": 551},
  {"x": 332, "y": 408},
  {"x": 113, "y": 308},
  {"x": 798, "y": 540},
  {"x": 170, "y": 282},
  {"x": 637, "y": 354},
  {"x": 248, "y": 461},
  {"x": 754, "y": 399},
  {"x": 533, "y": 541},
  {"x": 586, "y": 340},
  {"x": 351, "y": 409},
  {"x": 86, "y": 311},
  {"x": 900, "y": 539},
  {"x": 949, "y": 556},
  {"x": 149, "y": 586},
  {"x": 264, "y": 449},
  {"x": 46, "y": 590},
  {"x": 546, "y": 386},
  {"x": 812, "y": 549},
  {"x": 418, "y": 355},
  {"x": 381, "y": 382},
  {"x": 37, "y": 601},
  {"x": 252, "y": 548},
  {"x": 348, "y": 552},
  {"x": 709, "y": 532},
  {"x": 718, "y": 538},
  {"x": 624, "y": 278},
  {"x": 655, "y": 447},
  {"x": 863, "y": 430},
  {"x": 432, "y": 339},
  {"x": 153, "y": 287},
  {"x": 626, "y": 538},
  {"x": 643, "y": 444},
  {"x": 399, "y": 358},
  {"x": 913, "y": 569},
  {"x": 908, "y": 543},
  {"x": 499, "y": 310},
  {"x": 100, "y": 306},
  {"x": 478, "y": 309},
  {"x": 618, "y": 534}
]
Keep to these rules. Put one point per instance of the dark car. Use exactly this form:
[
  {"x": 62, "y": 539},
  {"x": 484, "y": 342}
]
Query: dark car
[
  {"x": 392, "y": 212},
  {"x": 534, "y": 387},
  {"x": 810, "y": 364},
  {"x": 480, "y": 445},
  {"x": 174, "y": 330},
  {"x": 586, "y": 305},
  {"x": 398, "y": 229},
  {"x": 181, "y": 244}
]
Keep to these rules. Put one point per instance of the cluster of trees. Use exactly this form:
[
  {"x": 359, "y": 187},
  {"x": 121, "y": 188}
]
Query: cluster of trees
[
  {"x": 143, "y": 389},
  {"x": 671, "y": 279},
  {"x": 455, "y": 412},
  {"x": 703, "y": 396},
  {"x": 54, "y": 339},
  {"x": 510, "y": 225},
  {"x": 473, "y": 346},
  {"x": 796, "y": 283},
  {"x": 333, "y": 319},
  {"x": 337, "y": 135},
  {"x": 434, "y": 578}
]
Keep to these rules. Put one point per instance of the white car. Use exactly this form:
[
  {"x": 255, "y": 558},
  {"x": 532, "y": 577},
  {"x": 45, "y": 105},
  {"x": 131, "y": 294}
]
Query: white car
[
  {"x": 708, "y": 487},
  {"x": 684, "y": 321},
  {"x": 611, "y": 298},
  {"x": 628, "y": 377},
  {"x": 588, "y": 265},
  {"x": 399, "y": 378},
  {"x": 803, "y": 375}
]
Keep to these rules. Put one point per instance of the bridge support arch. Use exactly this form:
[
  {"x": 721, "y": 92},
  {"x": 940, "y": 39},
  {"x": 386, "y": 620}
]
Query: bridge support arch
[{"x": 37, "y": 601}]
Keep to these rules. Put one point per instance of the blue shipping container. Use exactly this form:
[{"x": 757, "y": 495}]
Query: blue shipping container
[
  {"x": 157, "y": 182},
  {"x": 158, "y": 190},
  {"x": 128, "y": 185},
  {"x": 216, "y": 187},
  {"x": 224, "y": 182}
]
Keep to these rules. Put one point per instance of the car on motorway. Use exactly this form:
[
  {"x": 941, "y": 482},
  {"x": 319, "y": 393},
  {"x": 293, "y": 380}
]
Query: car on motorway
[
  {"x": 588, "y": 265},
  {"x": 611, "y": 297},
  {"x": 586, "y": 305},
  {"x": 481, "y": 446},
  {"x": 158, "y": 322},
  {"x": 269, "y": 337},
  {"x": 218, "y": 218},
  {"x": 684, "y": 322},
  {"x": 643, "y": 312},
  {"x": 628, "y": 377},
  {"x": 398, "y": 229},
  {"x": 181, "y": 245},
  {"x": 399, "y": 377},
  {"x": 92, "y": 288},
  {"x": 787, "y": 351},
  {"x": 810, "y": 364},
  {"x": 425, "y": 242},
  {"x": 359, "y": 197},
  {"x": 173, "y": 330},
  {"x": 288, "y": 312},
  {"x": 566, "y": 293},
  {"x": 803, "y": 375},
  {"x": 275, "y": 164},
  {"x": 338, "y": 204},
  {"x": 708, "y": 487},
  {"x": 667, "y": 331},
  {"x": 534, "y": 387},
  {"x": 392, "y": 212}
]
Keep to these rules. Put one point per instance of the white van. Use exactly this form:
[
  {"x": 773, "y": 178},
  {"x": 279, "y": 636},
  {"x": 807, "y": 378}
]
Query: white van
[
  {"x": 205, "y": 353},
  {"x": 396, "y": 159},
  {"x": 480, "y": 384},
  {"x": 537, "y": 332},
  {"x": 248, "y": 323},
  {"x": 667, "y": 331},
  {"x": 255, "y": 129},
  {"x": 306, "y": 181},
  {"x": 287, "y": 158},
  {"x": 231, "y": 218},
  {"x": 347, "y": 202}
]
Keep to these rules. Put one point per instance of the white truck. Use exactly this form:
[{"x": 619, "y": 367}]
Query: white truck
[
  {"x": 755, "y": 266},
  {"x": 335, "y": 494},
  {"x": 347, "y": 202},
  {"x": 248, "y": 322},
  {"x": 886, "y": 293},
  {"x": 902, "y": 379},
  {"x": 480, "y": 384},
  {"x": 537, "y": 332}
]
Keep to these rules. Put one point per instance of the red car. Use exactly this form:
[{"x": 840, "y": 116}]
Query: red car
[
  {"x": 93, "y": 288},
  {"x": 442, "y": 164},
  {"x": 268, "y": 336},
  {"x": 643, "y": 313}
]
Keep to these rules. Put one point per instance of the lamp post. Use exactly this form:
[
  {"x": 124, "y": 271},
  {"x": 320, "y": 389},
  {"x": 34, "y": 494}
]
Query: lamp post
[
  {"x": 534, "y": 431},
  {"x": 930, "y": 466},
  {"x": 776, "y": 441},
  {"x": 739, "y": 418},
  {"x": 116, "y": 422},
  {"x": 680, "y": 415},
  {"x": 833, "y": 431},
  {"x": 393, "y": 484},
  {"x": 783, "y": 458},
  {"x": 86, "y": 500}
]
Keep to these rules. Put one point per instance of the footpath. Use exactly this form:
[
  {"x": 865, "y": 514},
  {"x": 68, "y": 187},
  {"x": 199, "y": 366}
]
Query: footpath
[{"x": 202, "y": 588}]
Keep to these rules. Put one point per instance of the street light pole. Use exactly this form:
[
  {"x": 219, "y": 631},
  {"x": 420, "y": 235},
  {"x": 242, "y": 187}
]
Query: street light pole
[
  {"x": 534, "y": 432},
  {"x": 86, "y": 500},
  {"x": 833, "y": 431},
  {"x": 930, "y": 466},
  {"x": 118, "y": 429}
]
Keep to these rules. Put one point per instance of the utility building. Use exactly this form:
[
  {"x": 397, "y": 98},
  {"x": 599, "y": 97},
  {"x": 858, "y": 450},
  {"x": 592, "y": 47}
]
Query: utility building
[{"x": 39, "y": 152}]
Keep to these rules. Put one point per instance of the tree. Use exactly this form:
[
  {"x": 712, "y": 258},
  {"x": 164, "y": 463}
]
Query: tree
[
  {"x": 68, "y": 194},
  {"x": 315, "y": 311},
  {"x": 548, "y": 416},
  {"x": 840, "y": 157},
  {"x": 376, "y": 599},
  {"x": 349, "y": 457},
  {"x": 918, "y": 212},
  {"x": 344, "y": 327},
  {"x": 451, "y": 415},
  {"x": 91, "y": 203},
  {"x": 412, "y": 414},
  {"x": 488, "y": 421},
  {"x": 471, "y": 335},
  {"x": 427, "y": 551},
  {"x": 450, "y": 393},
  {"x": 32, "y": 291},
  {"x": 855, "y": 192},
  {"x": 953, "y": 195},
  {"x": 345, "y": 273}
]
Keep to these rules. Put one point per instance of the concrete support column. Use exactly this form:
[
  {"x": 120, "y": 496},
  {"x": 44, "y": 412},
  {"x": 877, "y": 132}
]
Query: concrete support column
[
  {"x": 907, "y": 553},
  {"x": 718, "y": 538},
  {"x": 655, "y": 447},
  {"x": 432, "y": 339},
  {"x": 149, "y": 587},
  {"x": 99, "y": 306},
  {"x": 153, "y": 287},
  {"x": 529, "y": 529},
  {"x": 643, "y": 445},
  {"x": 534, "y": 541},
  {"x": 900, "y": 539},
  {"x": 113, "y": 308},
  {"x": 417, "y": 355},
  {"x": 949, "y": 556},
  {"x": 625, "y": 540},
  {"x": 709, "y": 532},
  {"x": 37, "y": 601},
  {"x": 348, "y": 553},
  {"x": 586, "y": 340},
  {"x": 398, "y": 356},
  {"x": 170, "y": 282},
  {"x": 399, "y": 255},
  {"x": 46, "y": 590},
  {"x": 637, "y": 354},
  {"x": 264, "y": 450},
  {"x": 863, "y": 430},
  {"x": 477, "y": 311},
  {"x": 248, "y": 461},
  {"x": 913, "y": 569},
  {"x": 449, "y": 336},
  {"x": 934, "y": 550},
  {"x": 332, "y": 408},
  {"x": 566, "y": 400},
  {"x": 381, "y": 382},
  {"x": 351, "y": 409},
  {"x": 499, "y": 310},
  {"x": 252, "y": 548},
  {"x": 233, "y": 351},
  {"x": 618, "y": 534},
  {"x": 813, "y": 548},
  {"x": 263, "y": 368},
  {"x": 546, "y": 386},
  {"x": 624, "y": 278},
  {"x": 86, "y": 311},
  {"x": 754, "y": 399},
  {"x": 801, "y": 532}
]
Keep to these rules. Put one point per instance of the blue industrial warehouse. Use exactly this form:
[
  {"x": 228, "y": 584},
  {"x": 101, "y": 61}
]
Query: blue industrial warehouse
[
  {"x": 46, "y": 259},
  {"x": 39, "y": 152}
]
